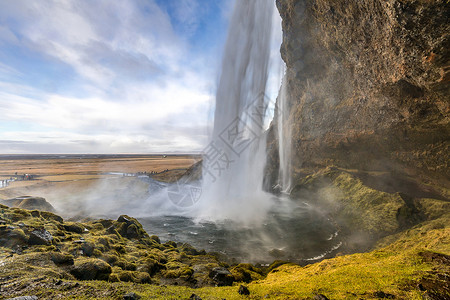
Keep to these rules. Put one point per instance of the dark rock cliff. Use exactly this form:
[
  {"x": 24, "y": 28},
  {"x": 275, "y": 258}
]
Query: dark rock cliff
[{"x": 368, "y": 86}]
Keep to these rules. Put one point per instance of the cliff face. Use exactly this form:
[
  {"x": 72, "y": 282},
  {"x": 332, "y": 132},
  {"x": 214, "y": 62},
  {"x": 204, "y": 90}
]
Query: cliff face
[{"x": 368, "y": 86}]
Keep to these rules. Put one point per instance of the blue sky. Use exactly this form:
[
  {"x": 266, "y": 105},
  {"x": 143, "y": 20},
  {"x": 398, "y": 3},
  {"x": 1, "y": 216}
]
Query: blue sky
[{"x": 122, "y": 76}]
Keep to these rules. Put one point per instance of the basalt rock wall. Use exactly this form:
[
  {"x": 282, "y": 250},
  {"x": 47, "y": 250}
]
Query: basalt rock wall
[{"x": 368, "y": 86}]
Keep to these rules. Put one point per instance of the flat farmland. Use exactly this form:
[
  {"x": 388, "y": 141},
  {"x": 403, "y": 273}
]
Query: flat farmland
[
  {"x": 42, "y": 166},
  {"x": 66, "y": 181}
]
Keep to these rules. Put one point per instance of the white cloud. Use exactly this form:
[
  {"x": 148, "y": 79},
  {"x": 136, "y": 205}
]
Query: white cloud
[{"x": 144, "y": 93}]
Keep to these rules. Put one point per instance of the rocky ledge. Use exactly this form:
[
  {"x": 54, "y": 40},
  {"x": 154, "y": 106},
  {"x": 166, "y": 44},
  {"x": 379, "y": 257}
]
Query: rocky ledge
[{"x": 39, "y": 243}]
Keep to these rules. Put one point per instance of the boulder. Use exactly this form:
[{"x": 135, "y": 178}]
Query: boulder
[
  {"x": 243, "y": 290},
  {"x": 62, "y": 259},
  {"x": 128, "y": 227},
  {"x": 40, "y": 237},
  {"x": 91, "y": 269},
  {"x": 221, "y": 276},
  {"x": 74, "y": 227}
]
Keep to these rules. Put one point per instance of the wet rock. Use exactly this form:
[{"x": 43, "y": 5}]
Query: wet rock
[
  {"x": 195, "y": 297},
  {"x": 131, "y": 296},
  {"x": 221, "y": 276},
  {"x": 156, "y": 239},
  {"x": 112, "y": 230},
  {"x": 88, "y": 249},
  {"x": 123, "y": 219},
  {"x": 365, "y": 101},
  {"x": 188, "y": 249},
  {"x": 243, "y": 290},
  {"x": 91, "y": 269},
  {"x": 40, "y": 237},
  {"x": 129, "y": 227},
  {"x": 132, "y": 232},
  {"x": 170, "y": 244}
]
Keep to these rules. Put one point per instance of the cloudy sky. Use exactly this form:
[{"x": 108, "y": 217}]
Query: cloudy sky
[{"x": 122, "y": 76}]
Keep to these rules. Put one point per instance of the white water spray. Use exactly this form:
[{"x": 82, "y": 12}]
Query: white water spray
[
  {"x": 234, "y": 161},
  {"x": 284, "y": 140}
]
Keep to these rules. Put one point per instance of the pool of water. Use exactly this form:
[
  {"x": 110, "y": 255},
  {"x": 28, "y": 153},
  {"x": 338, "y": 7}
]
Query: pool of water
[{"x": 297, "y": 233}]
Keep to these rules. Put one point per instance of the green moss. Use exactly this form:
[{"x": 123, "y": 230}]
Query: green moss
[
  {"x": 130, "y": 276},
  {"x": 246, "y": 273},
  {"x": 62, "y": 258},
  {"x": 433, "y": 208},
  {"x": 50, "y": 216},
  {"x": 74, "y": 227},
  {"x": 395, "y": 267},
  {"x": 156, "y": 239},
  {"x": 90, "y": 269},
  {"x": 353, "y": 204},
  {"x": 17, "y": 214},
  {"x": 125, "y": 265}
]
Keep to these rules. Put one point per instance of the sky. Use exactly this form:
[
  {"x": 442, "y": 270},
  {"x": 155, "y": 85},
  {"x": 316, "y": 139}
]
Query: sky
[{"x": 122, "y": 76}]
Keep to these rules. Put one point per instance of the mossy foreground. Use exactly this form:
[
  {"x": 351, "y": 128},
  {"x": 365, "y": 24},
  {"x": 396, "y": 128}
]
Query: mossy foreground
[{"x": 45, "y": 256}]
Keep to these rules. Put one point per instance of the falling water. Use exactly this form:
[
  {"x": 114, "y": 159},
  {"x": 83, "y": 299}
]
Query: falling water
[
  {"x": 234, "y": 160},
  {"x": 284, "y": 140}
]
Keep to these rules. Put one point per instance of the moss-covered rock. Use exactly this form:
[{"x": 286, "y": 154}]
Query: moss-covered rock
[
  {"x": 62, "y": 258},
  {"x": 74, "y": 227},
  {"x": 91, "y": 269},
  {"x": 129, "y": 276},
  {"x": 246, "y": 273},
  {"x": 12, "y": 237}
]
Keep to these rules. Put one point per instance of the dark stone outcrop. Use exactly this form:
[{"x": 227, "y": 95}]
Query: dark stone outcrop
[
  {"x": 221, "y": 276},
  {"x": 368, "y": 86},
  {"x": 40, "y": 237},
  {"x": 243, "y": 290}
]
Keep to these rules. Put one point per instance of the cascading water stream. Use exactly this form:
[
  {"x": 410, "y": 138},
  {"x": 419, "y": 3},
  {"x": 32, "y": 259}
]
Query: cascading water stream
[
  {"x": 284, "y": 140},
  {"x": 234, "y": 160}
]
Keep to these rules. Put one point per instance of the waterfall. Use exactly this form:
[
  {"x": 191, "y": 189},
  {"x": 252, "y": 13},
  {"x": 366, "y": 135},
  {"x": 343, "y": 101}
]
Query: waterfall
[
  {"x": 234, "y": 160},
  {"x": 284, "y": 139}
]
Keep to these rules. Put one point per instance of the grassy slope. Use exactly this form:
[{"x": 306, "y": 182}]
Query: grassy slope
[
  {"x": 400, "y": 262},
  {"x": 395, "y": 269}
]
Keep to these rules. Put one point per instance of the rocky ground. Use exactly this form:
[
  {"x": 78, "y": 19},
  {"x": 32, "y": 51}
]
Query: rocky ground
[{"x": 45, "y": 256}]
